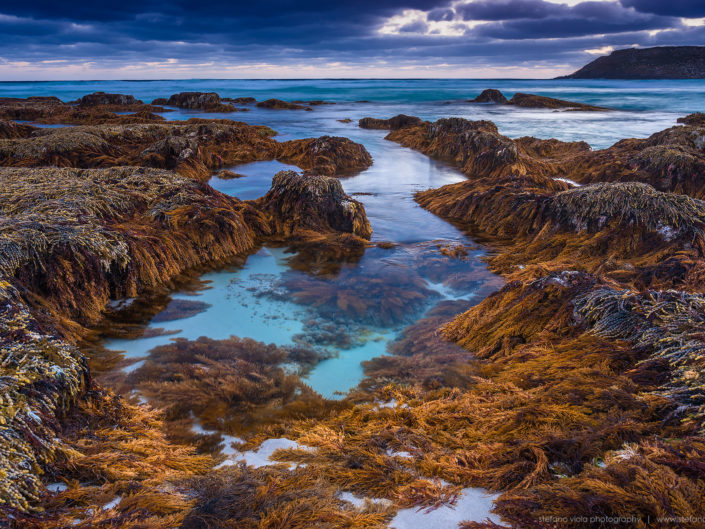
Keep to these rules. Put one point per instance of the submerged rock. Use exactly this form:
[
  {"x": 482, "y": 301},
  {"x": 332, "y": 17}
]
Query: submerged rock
[
  {"x": 278, "y": 104},
  {"x": 536, "y": 101},
  {"x": 101, "y": 98},
  {"x": 240, "y": 100},
  {"x": 397, "y": 122},
  {"x": 491, "y": 95}
]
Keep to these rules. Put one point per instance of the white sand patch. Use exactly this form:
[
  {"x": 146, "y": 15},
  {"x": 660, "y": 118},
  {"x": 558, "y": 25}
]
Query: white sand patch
[
  {"x": 568, "y": 181},
  {"x": 261, "y": 456},
  {"x": 359, "y": 502},
  {"x": 473, "y": 505},
  {"x": 404, "y": 454},
  {"x": 112, "y": 504}
]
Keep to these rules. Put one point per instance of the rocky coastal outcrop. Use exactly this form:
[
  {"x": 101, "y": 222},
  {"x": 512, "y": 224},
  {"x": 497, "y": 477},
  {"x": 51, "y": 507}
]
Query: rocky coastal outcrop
[
  {"x": 298, "y": 202},
  {"x": 195, "y": 148},
  {"x": 670, "y": 160},
  {"x": 491, "y": 95},
  {"x": 662, "y": 62},
  {"x": 397, "y": 122},
  {"x": 536, "y": 101},
  {"x": 92, "y": 109},
  {"x": 206, "y": 101},
  {"x": 101, "y": 98},
  {"x": 520, "y": 99},
  {"x": 278, "y": 104},
  {"x": 328, "y": 155}
]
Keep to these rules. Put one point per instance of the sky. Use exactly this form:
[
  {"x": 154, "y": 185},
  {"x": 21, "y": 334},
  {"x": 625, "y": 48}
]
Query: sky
[{"x": 181, "y": 39}]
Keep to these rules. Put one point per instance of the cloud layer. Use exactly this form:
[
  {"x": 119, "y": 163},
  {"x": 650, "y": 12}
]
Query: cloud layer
[{"x": 214, "y": 38}]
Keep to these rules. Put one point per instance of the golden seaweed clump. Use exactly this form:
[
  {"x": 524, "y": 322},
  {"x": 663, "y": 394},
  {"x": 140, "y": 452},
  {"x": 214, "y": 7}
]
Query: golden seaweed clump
[
  {"x": 226, "y": 385},
  {"x": 40, "y": 376},
  {"x": 629, "y": 231},
  {"x": 327, "y": 155},
  {"x": 82, "y": 237},
  {"x": 301, "y": 203}
]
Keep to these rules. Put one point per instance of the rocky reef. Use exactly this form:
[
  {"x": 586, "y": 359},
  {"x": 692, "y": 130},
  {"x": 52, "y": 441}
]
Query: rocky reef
[
  {"x": 101, "y": 98},
  {"x": 575, "y": 387},
  {"x": 278, "y": 104},
  {"x": 206, "y": 101},
  {"x": 328, "y": 155},
  {"x": 195, "y": 147},
  {"x": 492, "y": 95},
  {"x": 397, "y": 122},
  {"x": 312, "y": 203},
  {"x": 92, "y": 109},
  {"x": 671, "y": 160}
]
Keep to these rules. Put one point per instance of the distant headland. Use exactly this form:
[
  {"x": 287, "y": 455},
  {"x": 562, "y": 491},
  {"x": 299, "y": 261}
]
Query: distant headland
[{"x": 665, "y": 62}]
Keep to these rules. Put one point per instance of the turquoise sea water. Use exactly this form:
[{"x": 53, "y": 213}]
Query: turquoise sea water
[{"x": 270, "y": 297}]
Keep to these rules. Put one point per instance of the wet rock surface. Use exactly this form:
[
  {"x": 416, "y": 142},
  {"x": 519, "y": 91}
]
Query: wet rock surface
[
  {"x": 491, "y": 95},
  {"x": 278, "y": 104},
  {"x": 536, "y": 101},
  {"x": 395, "y": 123},
  {"x": 194, "y": 148},
  {"x": 101, "y": 98},
  {"x": 301, "y": 202},
  {"x": 206, "y": 101}
]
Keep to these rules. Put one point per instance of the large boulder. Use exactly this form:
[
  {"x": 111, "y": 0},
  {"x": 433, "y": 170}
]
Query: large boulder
[
  {"x": 328, "y": 155},
  {"x": 101, "y": 98},
  {"x": 206, "y": 101},
  {"x": 301, "y": 203},
  {"x": 397, "y": 122},
  {"x": 491, "y": 95},
  {"x": 536, "y": 101},
  {"x": 278, "y": 104}
]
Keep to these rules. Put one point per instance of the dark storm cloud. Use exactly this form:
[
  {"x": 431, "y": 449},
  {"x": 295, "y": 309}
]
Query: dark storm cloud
[
  {"x": 510, "y": 9},
  {"x": 522, "y": 19},
  {"x": 677, "y": 8},
  {"x": 283, "y": 32}
]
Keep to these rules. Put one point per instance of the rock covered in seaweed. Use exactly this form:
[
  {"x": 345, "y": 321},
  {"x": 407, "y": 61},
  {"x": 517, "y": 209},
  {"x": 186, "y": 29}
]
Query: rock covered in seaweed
[
  {"x": 698, "y": 118},
  {"x": 42, "y": 376},
  {"x": 278, "y": 104},
  {"x": 397, "y": 122},
  {"x": 111, "y": 232},
  {"x": 327, "y": 155},
  {"x": 475, "y": 147},
  {"x": 11, "y": 129},
  {"x": 206, "y": 101},
  {"x": 535, "y": 101},
  {"x": 670, "y": 160},
  {"x": 628, "y": 231},
  {"x": 195, "y": 147},
  {"x": 491, "y": 95},
  {"x": 101, "y": 98},
  {"x": 312, "y": 203}
]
